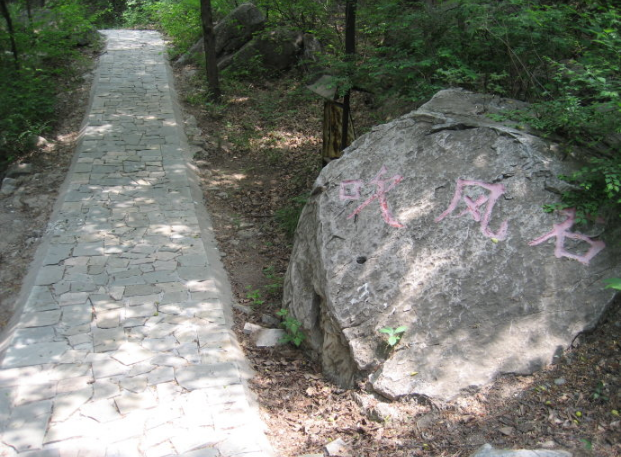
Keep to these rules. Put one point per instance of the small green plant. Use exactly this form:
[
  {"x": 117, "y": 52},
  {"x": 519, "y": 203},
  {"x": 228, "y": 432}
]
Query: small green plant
[
  {"x": 255, "y": 296},
  {"x": 292, "y": 326},
  {"x": 588, "y": 445},
  {"x": 613, "y": 283},
  {"x": 269, "y": 272},
  {"x": 273, "y": 287},
  {"x": 394, "y": 334},
  {"x": 276, "y": 280}
]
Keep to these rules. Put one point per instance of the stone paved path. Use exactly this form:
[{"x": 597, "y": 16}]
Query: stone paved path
[{"x": 123, "y": 347}]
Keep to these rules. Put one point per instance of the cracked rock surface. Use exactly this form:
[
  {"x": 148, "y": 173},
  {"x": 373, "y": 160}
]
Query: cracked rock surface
[{"x": 434, "y": 222}]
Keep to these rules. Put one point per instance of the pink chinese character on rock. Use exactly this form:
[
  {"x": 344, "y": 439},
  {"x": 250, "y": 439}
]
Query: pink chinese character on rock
[
  {"x": 561, "y": 231},
  {"x": 350, "y": 190},
  {"x": 481, "y": 208}
]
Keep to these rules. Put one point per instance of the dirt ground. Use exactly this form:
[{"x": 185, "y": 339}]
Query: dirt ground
[{"x": 258, "y": 154}]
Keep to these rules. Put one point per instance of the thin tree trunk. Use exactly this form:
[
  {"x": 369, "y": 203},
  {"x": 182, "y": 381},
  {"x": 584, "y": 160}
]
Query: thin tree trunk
[
  {"x": 29, "y": 11},
  {"x": 209, "y": 40},
  {"x": 350, "y": 50},
  {"x": 9, "y": 24}
]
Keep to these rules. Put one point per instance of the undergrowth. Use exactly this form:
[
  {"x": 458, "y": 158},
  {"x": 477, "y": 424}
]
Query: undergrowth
[{"x": 37, "y": 58}]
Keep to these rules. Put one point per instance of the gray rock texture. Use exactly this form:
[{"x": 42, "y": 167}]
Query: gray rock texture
[
  {"x": 274, "y": 50},
  {"x": 237, "y": 28},
  {"x": 242, "y": 44},
  {"x": 231, "y": 33},
  {"x": 435, "y": 222}
]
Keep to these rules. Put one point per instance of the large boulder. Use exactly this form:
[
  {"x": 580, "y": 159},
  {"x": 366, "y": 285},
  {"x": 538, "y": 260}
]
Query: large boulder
[
  {"x": 275, "y": 50},
  {"x": 435, "y": 222},
  {"x": 237, "y": 28}
]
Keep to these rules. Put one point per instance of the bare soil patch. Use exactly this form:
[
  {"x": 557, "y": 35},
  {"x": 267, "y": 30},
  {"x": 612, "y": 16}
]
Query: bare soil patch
[{"x": 260, "y": 150}]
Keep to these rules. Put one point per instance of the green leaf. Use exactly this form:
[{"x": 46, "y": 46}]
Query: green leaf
[
  {"x": 282, "y": 313},
  {"x": 401, "y": 329},
  {"x": 613, "y": 283}
]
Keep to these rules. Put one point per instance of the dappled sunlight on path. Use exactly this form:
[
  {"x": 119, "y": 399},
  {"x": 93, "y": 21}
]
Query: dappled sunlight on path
[{"x": 124, "y": 346}]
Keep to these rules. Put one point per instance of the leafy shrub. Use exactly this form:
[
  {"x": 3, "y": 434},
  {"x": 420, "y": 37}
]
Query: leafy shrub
[
  {"x": 181, "y": 21},
  {"x": 583, "y": 106},
  {"x": 598, "y": 190},
  {"x": 139, "y": 13},
  {"x": 293, "y": 327},
  {"x": 47, "y": 42},
  {"x": 26, "y": 104},
  {"x": 486, "y": 46},
  {"x": 563, "y": 58},
  {"x": 305, "y": 15}
]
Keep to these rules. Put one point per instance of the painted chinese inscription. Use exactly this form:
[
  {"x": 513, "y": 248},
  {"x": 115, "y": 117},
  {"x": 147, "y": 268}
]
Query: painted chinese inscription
[
  {"x": 350, "y": 190},
  {"x": 474, "y": 207},
  {"x": 561, "y": 232},
  {"x": 480, "y": 209}
]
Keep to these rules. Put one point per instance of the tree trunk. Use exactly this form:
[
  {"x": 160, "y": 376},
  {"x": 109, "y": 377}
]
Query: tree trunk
[
  {"x": 29, "y": 12},
  {"x": 350, "y": 50},
  {"x": 9, "y": 24},
  {"x": 209, "y": 41}
]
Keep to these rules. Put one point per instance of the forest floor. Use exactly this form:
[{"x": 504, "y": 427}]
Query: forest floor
[{"x": 261, "y": 153}]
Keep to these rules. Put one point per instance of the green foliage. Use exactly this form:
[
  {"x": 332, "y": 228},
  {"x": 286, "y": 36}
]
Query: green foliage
[
  {"x": 289, "y": 216},
  {"x": 613, "y": 283},
  {"x": 306, "y": 15},
  {"x": 256, "y": 296},
  {"x": 276, "y": 281},
  {"x": 179, "y": 20},
  {"x": 598, "y": 189},
  {"x": 47, "y": 43},
  {"x": 487, "y": 46},
  {"x": 585, "y": 108},
  {"x": 246, "y": 69},
  {"x": 394, "y": 334},
  {"x": 26, "y": 103},
  {"x": 139, "y": 13},
  {"x": 563, "y": 58},
  {"x": 292, "y": 326}
]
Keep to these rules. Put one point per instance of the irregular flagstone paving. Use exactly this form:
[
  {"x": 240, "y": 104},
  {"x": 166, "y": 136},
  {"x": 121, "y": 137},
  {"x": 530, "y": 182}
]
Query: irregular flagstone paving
[{"x": 123, "y": 348}]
